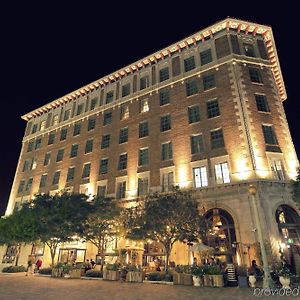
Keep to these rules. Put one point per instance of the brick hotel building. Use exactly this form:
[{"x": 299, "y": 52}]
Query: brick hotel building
[{"x": 205, "y": 113}]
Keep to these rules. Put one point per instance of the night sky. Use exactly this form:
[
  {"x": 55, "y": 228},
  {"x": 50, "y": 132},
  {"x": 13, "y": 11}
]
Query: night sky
[{"x": 47, "y": 52}]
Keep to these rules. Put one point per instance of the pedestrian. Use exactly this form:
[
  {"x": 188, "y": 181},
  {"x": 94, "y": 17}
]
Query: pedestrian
[
  {"x": 93, "y": 264},
  {"x": 30, "y": 264},
  {"x": 88, "y": 266},
  {"x": 38, "y": 265},
  {"x": 195, "y": 262}
]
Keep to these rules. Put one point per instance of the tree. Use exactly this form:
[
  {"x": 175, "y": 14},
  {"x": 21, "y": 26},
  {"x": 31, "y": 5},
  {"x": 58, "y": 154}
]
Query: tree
[
  {"x": 102, "y": 224},
  {"x": 49, "y": 219},
  {"x": 296, "y": 189},
  {"x": 166, "y": 218}
]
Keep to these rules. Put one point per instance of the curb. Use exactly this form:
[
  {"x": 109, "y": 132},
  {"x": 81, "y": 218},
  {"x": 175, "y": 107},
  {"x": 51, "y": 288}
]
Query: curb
[{"x": 159, "y": 282}]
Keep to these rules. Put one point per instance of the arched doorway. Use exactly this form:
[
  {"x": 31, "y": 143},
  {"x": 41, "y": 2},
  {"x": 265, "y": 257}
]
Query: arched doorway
[
  {"x": 288, "y": 222},
  {"x": 221, "y": 234}
]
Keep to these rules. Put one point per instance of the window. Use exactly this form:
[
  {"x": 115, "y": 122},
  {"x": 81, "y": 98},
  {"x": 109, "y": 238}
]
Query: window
[
  {"x": 43, "y": 125},
  {"x": 249, "y": 50},
  {"x": 269, "y": 135},
  {"x": 26, "y": 165},
  {"x": 51, "y": 138},
  {"x": 262, "y": 103},
  {"x": 101, "y": 191},
  {"x": 29, "y": 184},
  {"x": 86, "y": 170},
  {"x": 277, "y": 169},
  {"x": 165, "y": 123},
  {"x": 164, "y": 97},
  {"x": 74, "y": 150},
  {"x": 38, "y": 143},
  {"x": 143, "y": 129},
  {"x": 205, "y": 57},
  {"x": 71, "y": 174},
  {"x": 105, "y": 141},
  {"x": 93, "y": 103},
  {"x": 164, "y": 74},
  {"x": 103, "y": 166},
  {"x": 212, "y": 108},
  {"x": 60, "y": 155},
  {"x": 34, "y": 128},
  {"x": 222, "y": 173},
  {"x": 143, "y": 157},
  {"x": 63, "y": 134},
  {"x": 167, "y": 181},
  {"x": 143, "y": 186},
  {"x": 209, "y": 82},
  {"x": 43, "y": 181},
  {"x": 121, "y": 190},
  {"x": 88, "y": 146},
  {"x": 191, "y": 87},
  {"x": 55, "y": 120},
  {"x": 123, "y": 162},
  {"x": 217, "y": 140},
  {"x": 144, "y": 106},
  {"x": 91, "y": 124},
  {"x": 123, "y": 138},
  {"x": 109, "y": 97},
  {"x": 21, "y": 186},
  {"x": 30, "y": 146},
  {"x": 77, "y": 129},
  {"x": 200, "y": 177},
  {"x": 56, "y": 177},
  {"x": 79, "y": 109},
  {"x": 67, "y": 114},
  {"x": 33, "y": 164},
  {"x": 144, "y": 82},
  {"x": 124, "y": 111},
  {"x": 166, "y": 151},
  {"x": 107, "y": 119},
  {"x": 255, "y": 75},
  {"x": 126, "y": 90},
  {"x": 189, "y": 64},
  {"x": 194, "y": 114},
  {"x": 47, "y": 159},
  {"x": 197, "y": 145}
]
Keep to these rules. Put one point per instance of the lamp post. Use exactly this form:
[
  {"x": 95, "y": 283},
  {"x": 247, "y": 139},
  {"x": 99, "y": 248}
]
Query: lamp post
[{"x": 267, "y": 276}]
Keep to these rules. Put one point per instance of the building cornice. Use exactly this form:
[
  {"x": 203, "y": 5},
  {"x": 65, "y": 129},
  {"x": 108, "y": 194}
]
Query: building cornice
[{"x": 209, "y": 32}]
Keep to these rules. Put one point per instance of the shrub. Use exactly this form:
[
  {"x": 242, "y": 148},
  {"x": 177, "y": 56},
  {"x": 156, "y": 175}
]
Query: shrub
[
  {"x": 197, "y": 271},
  {"x": 92, "y": 273},
  {"x": 14, "y": 269},
  {"x": 112, "y": 267},
  {"x": 45, "y": 271},
  {"x": 242, "y": 270},
  {"x": 214, "y": 270},
  {"x": 159, "y": 276}
]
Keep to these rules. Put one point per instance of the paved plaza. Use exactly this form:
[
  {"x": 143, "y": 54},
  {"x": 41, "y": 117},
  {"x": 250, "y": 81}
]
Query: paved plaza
[{"x": 20, "y": 287}]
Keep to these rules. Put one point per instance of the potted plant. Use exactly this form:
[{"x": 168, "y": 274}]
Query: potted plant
[
  {"x": 216, "y": 276},
  {"x": 242, "y": 275},
  {"x": 284, "y": 277},
  {"x": 187, "y": 276},
  {"x": 207, "y": 278},
  {"x": 134, "y": 274},
  {"x": 252, "y": 278},
  {"x": 197, "y": 272},
  {"x": 76, "y": 271},
  {"x": 111, "y": 272},
  {"x": 178, "y": 275}
]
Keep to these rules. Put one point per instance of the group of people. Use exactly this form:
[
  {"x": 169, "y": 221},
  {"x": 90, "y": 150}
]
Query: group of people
[
  {"x": 89, "y": 265},
  {"x": 33, "y": 265}
]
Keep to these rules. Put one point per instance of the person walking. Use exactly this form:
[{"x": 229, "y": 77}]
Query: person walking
[
  {"x": 30, "y": 264},
  {"x": 38, "y": 265}
]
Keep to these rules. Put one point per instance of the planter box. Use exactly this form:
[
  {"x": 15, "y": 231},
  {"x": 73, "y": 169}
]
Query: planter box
[
  {"x": 76, "y": 273},
  {"x": 134, "y": 277},
  {"x": 111, "y": 275},
  {"x": 187, "y": 279},
  {"x": 177, "y": 278},
  {"x": 218, "y": 280},
  {"x": 207, "y": 280},
  {"x": 57, "y": 272},
  {"x": 243, "y": 282}
]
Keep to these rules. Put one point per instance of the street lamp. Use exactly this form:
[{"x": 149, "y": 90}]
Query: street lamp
[{"x": 267, "y": 283}]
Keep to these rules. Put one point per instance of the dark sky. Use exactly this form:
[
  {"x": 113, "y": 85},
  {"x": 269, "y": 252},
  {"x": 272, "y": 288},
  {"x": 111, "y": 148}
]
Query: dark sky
[{"x": 48, "y": 51}]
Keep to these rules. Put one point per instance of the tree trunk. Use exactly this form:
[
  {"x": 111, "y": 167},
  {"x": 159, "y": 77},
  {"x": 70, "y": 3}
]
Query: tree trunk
[
  {"x": 102, "y": 253},
  {"x": 167, "y": 260}
]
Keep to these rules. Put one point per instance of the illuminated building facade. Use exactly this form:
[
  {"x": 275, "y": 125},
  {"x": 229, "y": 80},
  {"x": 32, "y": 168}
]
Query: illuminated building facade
[{"x": 205, "y": 114}]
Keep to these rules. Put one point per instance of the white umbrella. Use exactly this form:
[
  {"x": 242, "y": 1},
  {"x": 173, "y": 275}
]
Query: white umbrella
[{"x": 200, "y": 248}]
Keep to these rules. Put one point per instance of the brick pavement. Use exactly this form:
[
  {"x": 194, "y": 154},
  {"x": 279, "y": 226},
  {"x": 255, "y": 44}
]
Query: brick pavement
[{"x": 20, "y": 287}]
